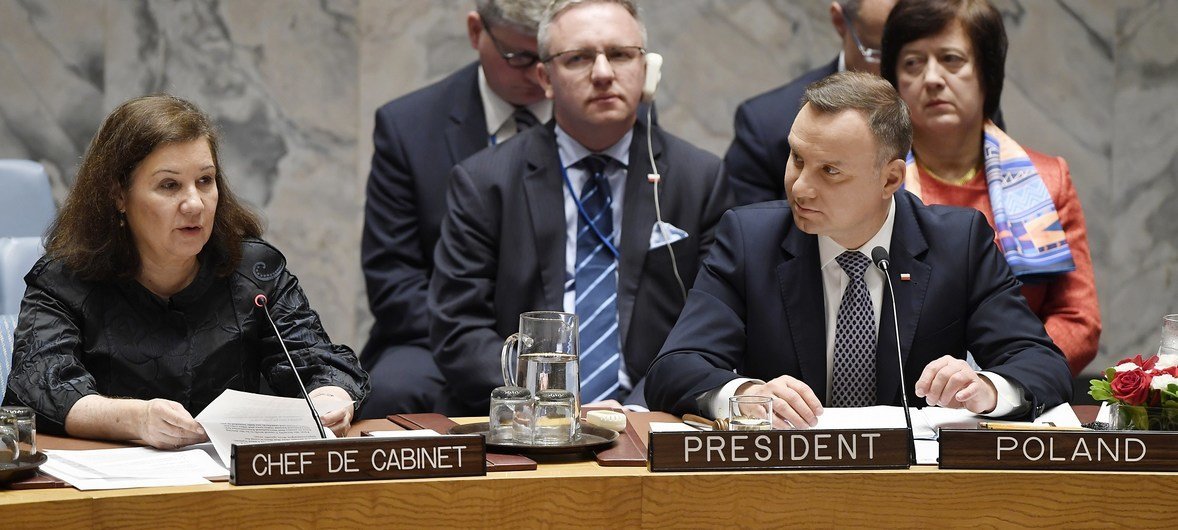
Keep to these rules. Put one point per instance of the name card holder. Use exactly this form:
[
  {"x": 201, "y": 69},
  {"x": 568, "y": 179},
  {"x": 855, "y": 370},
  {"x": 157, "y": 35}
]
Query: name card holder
[
  {"x": 366, "y": 458},
  {"x": 765, "y": 450},
  {"x": 1059, "y": 450}
]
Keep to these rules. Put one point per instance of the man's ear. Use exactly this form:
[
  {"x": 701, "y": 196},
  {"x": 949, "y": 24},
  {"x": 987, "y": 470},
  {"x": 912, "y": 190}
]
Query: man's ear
[
  {"x": 893, "y": 175},
  {"x": 837, "y": 20},
  {"x": 545, "y": 81},
  {"x": 474, "y": 28}
]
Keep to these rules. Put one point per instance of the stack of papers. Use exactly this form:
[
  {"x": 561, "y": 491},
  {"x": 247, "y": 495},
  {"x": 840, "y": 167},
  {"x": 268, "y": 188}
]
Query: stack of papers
[
  {"x": 233, "y": 418},
  {"x": 132, "y": 467}
]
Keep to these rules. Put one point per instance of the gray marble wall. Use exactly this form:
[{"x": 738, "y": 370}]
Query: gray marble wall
[{"x": 293, "y": 85}]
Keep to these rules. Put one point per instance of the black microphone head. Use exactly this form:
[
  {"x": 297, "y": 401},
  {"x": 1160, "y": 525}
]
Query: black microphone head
[
  {"x": 260, "y": 300},
  {"x": 879, "y": 256}
]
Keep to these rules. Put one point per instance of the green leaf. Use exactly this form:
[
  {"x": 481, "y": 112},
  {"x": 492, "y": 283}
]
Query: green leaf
[
  {"x": 1102, "y": 391},
  {"x": 1170, "y": 395}
]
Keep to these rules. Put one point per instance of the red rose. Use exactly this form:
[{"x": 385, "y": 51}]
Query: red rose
[
  {"x": 1131, "y": 387},
  {"x": 1145, "y": 364}
]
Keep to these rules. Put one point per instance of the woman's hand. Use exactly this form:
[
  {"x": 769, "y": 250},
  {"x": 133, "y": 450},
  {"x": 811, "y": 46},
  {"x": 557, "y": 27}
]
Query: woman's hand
[
  {"x": 338, "y": 420},
  {"x": 165, "y": 424}
]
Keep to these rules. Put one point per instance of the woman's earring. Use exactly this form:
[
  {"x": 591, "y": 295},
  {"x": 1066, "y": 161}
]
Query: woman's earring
[{"x": 122, "y": 218}]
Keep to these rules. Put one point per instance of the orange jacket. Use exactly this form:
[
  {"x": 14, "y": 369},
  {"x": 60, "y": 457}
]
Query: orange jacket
[{"x": 1067, "y": 305}]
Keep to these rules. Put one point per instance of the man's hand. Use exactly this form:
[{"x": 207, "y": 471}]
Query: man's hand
[
  {"x": 338, "y": 420},
  {"x": 793, "y": 401},
  {"x": 950, "y": 382},
  {"x": 165, "y": 424}
]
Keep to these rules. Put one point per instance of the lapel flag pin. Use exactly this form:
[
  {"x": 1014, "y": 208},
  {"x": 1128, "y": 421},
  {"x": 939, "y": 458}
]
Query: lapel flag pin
[{"x": 905, "y": 277}]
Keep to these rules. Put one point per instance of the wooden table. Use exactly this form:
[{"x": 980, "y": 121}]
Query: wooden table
[{"x": 581, "y": 493}]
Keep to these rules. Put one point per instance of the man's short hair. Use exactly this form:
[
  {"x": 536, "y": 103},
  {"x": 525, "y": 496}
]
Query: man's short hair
[
  {"x": 560, "y": 6},
  {"x": 912, "y": 20},
  {"x": 875, "y": 99},
  {"x": 519, "y": 15}
]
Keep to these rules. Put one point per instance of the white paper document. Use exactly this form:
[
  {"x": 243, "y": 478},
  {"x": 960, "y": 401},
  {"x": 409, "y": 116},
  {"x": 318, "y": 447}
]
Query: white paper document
[
  {"x": 237, "y": 417},
  {"x": 925, "y": 421},
  {"x": 132, "y": 467},
  {"x": 420, "y": 433}
]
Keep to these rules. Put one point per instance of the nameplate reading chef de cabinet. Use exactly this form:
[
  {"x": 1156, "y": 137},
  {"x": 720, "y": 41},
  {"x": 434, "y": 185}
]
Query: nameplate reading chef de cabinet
[
  {"x": 1059, "y": 450},
  {"x": 760, "y": 450},
  {"x": 347, "y": 459}
]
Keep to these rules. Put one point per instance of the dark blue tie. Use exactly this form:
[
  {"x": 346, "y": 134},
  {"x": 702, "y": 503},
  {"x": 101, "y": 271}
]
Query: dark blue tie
[
  {"x": 854, "y": 338},
  {"x": 524, "y": 119},
  {"x": 596, "y": 286}
]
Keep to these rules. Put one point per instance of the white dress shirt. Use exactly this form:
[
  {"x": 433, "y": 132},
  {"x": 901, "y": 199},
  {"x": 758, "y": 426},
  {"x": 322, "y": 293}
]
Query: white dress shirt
[
  {"x": 571, "y": 152},
  {"x": 834, "y": 282},
  {"x": 498, "y": 112}
]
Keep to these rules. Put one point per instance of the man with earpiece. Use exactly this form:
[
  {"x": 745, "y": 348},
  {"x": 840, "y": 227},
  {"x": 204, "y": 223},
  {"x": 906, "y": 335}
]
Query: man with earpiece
[
  {"x": 564, "y": 217},
  {"x": 418, "y": 138}
]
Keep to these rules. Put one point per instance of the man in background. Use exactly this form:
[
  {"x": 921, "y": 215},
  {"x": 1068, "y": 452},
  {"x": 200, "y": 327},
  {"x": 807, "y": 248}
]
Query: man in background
[
  {"x": 563, "y": 218},
  {"x": 756, "y": 158},
  {"x": 418, "y": 138}
]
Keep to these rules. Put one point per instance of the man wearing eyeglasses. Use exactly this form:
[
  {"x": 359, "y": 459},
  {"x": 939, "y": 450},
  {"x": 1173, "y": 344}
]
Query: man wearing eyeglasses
[
  {"x": 418, "y": 138},
  {"x": 563, "y": 218},
  {"x": 756, "y": 159}
]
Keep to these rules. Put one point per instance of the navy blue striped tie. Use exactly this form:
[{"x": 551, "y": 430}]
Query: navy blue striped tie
[{"x": 596, "y": 287}]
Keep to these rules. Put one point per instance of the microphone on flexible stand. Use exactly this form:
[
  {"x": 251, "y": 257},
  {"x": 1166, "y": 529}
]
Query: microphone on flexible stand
[
  {"x": 260, "y": 301},
  {"x": 879, "y": 256}
]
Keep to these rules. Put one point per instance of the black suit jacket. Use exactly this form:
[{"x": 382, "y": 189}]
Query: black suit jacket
[
  {"x": 756, "y": 159},
  {"x": 418, "y": 138},
  {"x": 502, "y": 253},
  {"x": 757, "y": 308}
]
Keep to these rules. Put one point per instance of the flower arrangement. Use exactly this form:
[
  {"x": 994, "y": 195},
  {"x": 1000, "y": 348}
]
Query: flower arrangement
[{"x": 1143, "y": 393}]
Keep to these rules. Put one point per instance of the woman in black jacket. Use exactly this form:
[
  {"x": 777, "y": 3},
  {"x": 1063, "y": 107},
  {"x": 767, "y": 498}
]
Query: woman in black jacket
[{"x": 142, "y": 310}]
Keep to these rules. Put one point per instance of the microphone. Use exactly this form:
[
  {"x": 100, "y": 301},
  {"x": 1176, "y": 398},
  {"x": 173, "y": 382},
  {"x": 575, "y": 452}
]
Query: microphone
[
  {"x": 879, "y": 256},
  {"x": 260, "y": 301}
]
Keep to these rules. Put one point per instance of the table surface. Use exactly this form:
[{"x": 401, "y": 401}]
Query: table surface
[{"x": 564, "y": 492}]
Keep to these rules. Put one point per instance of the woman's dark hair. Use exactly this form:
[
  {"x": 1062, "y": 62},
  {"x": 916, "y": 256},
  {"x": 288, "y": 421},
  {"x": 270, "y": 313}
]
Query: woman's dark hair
[
  {"x": 86, "y": 235},
  {"x": 913, "y": 20}
]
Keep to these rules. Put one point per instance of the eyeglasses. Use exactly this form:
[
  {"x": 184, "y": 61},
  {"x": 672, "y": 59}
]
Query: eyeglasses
[
  {"x": 583, "y": 59},
  {"x": 517, "y": 59},
  {"x": 871, "y": 55}
]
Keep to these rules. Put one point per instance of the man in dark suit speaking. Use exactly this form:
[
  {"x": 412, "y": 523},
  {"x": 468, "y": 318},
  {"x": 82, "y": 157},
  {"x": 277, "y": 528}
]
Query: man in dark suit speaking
[
  {"x": 418, "y": 138},
  {"x": 788, "y": 297},
  {"x": 562, "y": 217}
]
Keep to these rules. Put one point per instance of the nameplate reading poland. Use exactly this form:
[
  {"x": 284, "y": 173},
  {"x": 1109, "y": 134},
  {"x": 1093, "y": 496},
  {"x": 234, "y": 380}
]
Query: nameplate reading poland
[
  {"x": 1059, "y": 450},
  {"x": 346, "y": 459},
  {"x": 802, "y": 449}
]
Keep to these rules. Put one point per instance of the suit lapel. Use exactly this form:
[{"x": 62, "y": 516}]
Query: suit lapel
[
  {"x": 907, "y": 253},
  {"x": 638, "y": 219},
  {"x": 545, "y": 199},
  {"x": 466, "y": 133},
  {"x": 799, "y": 279}
]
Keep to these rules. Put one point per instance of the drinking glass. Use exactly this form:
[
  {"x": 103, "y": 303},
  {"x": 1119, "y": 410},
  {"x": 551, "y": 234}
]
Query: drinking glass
[
  {"x": 750, "y": 413},
  {"x": 24, "y": 422},
  {"x": 511, "y": 406},
  {"x": 1169, "y": 344},
  {"x": 556, "y": 418},
  {"x": 9, "y": 445}
]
